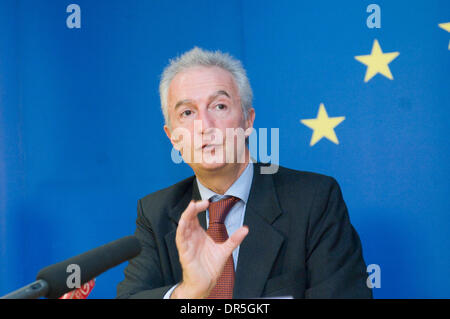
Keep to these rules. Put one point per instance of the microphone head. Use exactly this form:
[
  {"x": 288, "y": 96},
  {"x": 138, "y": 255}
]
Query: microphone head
[{"x": 90, "y": 264}]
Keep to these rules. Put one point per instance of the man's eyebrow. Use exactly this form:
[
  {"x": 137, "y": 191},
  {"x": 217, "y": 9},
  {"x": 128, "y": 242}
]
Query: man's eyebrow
[
  {"x": 217, "y": 94},
  {"x": 179, "y": 103},
  {"x": 211, "y": 98}
]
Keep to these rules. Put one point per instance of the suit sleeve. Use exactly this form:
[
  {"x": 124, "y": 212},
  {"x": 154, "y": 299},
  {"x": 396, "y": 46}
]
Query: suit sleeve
[
  {"x": 143, "y": 276},
  {"x": 334, "y": 261}
]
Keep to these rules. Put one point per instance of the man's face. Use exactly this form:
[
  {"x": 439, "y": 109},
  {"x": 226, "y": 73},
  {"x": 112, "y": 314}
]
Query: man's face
[{"x": 203, "y": 102}]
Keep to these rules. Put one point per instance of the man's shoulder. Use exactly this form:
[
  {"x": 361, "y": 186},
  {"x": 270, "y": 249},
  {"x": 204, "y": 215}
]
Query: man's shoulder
[
  {"x": 299, "y": 186},
  {"x": 304, "y": 179},
  {"x": 305, "y": 191},
  {"x": 168, "y": 195}
]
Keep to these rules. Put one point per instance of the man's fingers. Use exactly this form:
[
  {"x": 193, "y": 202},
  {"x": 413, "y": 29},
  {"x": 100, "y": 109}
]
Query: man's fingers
[
  {"x": 189, "y": 216},
  {"x": 201, "y": 206},
  {"x": 236, "y": 239},
  {"x": 194, "y": 208}
]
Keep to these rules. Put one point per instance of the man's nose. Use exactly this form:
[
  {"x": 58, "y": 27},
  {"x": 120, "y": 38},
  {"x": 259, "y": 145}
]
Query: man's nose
[{"x": 207, "y": 122}]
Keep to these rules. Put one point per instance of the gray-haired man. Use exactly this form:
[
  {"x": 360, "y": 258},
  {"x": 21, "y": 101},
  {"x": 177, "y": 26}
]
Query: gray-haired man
[{"x": 231, "y": 231}]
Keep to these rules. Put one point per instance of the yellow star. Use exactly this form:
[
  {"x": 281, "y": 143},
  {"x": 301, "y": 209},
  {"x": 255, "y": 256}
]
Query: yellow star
[
  {"x": 446, "y": 27},
  {"x": 377, "y": 62},
  {"x": 323, "y": 126}
]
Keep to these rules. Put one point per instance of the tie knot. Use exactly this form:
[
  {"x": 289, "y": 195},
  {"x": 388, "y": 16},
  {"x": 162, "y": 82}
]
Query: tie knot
[{"x": 219, "y": 210}]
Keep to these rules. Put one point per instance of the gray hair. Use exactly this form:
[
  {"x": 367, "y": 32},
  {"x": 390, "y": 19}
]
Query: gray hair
[{"x": 199, "y": 57}]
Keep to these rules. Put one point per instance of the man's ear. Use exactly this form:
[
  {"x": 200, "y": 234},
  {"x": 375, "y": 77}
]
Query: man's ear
[
  {"x": 250, "y": 118},
  {"x": 176, "y": 137},
  {"x": 168, "y": 133}
]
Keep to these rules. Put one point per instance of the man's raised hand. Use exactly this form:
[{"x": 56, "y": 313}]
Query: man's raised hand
[{"x": 202, "y": 260}]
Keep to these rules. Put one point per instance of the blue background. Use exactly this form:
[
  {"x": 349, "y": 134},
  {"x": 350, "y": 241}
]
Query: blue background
[{"x": 81, "y": 136}]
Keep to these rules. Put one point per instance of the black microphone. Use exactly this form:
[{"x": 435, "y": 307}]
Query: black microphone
[{"x": 52, "y": 280}]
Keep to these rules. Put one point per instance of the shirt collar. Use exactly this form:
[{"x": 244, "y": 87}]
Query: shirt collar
[{"x": 239, "y": 189}]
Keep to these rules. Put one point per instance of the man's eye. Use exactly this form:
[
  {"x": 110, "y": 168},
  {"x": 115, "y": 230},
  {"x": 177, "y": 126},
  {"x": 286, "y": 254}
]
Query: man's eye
[
  {"x": 186, "y": 113},
  {"x": 221, "y": 106}
]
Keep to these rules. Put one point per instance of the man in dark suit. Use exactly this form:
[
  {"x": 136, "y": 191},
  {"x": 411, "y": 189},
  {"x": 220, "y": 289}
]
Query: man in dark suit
[{"x": 233, "y": 230}]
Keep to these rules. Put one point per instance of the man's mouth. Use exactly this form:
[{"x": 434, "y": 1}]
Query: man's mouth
[{"x": 209, "y": 146}]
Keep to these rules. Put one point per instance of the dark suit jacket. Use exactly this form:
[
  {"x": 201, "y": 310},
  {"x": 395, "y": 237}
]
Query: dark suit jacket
[{"x": 300, "y": 240}]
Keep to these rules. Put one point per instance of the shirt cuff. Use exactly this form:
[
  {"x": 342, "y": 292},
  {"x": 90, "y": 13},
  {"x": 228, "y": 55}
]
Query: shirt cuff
[{"x": 169, "y": 293}]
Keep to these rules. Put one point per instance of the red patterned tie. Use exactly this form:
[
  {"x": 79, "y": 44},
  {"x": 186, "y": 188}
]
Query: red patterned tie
[{"x": 217, "y": 231}]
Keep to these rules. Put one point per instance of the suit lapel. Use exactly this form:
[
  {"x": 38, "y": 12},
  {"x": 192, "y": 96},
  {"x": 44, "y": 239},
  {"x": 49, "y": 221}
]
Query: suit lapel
[
  {"x": 259, "y": 249},
  {"x": 174, "y": 214}
]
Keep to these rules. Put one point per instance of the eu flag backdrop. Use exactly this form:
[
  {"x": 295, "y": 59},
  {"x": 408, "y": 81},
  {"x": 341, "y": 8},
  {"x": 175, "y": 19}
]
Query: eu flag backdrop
[{"x": 359, "y": 90}]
